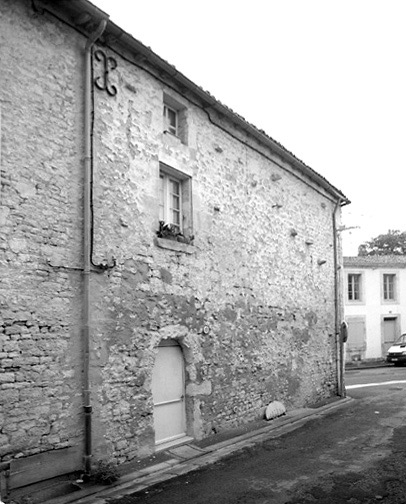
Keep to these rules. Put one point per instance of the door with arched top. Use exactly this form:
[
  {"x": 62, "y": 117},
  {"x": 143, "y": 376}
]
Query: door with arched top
[{"x": 168, "y": 392}]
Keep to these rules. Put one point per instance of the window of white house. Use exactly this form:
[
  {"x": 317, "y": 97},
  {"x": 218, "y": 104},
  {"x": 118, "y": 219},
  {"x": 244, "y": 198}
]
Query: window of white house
[
  {"x": 175, "y": 204},
  {"x": 389, "y": 287},
  {"x": 354, "y": 287}
]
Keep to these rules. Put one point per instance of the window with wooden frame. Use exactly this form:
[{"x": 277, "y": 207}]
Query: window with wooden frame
[
  {"x": 354, "y": 287},
  {"x": 389, "y": 287},
  {"x": 175, "y": 204},
  {"x": 170, "y": 120},
  {"x": 170, "y": 200},
  {"x": 175, "y": 118}
]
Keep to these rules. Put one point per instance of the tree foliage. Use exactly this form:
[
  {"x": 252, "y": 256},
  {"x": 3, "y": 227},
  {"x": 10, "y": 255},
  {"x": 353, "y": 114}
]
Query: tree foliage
[{"x": 391, "y": 243}]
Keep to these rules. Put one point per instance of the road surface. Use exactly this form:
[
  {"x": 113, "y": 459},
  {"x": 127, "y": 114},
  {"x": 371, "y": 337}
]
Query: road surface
[{"x": 356, "y": 454}]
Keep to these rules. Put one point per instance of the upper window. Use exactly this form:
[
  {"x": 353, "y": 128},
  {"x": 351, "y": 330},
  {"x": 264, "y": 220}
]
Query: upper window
[
  {"x": 389, "y": 287},
  {"x": 354, "y": 287},
  {"x": 171, "y": 120},
  {"x": 175, "y": 118}
]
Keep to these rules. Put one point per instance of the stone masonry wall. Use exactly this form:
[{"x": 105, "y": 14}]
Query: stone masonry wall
[
  {"x": 40, "y": 234},
  {"x": 251, "y": 301},
  {"x": 252, "y": 305}
]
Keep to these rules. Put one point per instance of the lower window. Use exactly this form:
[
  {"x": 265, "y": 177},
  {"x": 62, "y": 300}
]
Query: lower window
[{"x": 175, "y": 203}]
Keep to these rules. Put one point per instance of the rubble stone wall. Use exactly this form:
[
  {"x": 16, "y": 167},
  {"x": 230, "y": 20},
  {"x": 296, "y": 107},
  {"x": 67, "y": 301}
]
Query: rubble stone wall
[
  {"x": 251, "y": 301},
  {"x": 40, "y": 233}
]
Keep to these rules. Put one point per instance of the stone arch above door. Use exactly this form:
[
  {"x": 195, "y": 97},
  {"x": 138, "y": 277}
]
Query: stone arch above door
[{"x": 195, "y": 388}]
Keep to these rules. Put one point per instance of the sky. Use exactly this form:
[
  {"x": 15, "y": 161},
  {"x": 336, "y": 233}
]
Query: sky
[{"x": 326, "y": 79}]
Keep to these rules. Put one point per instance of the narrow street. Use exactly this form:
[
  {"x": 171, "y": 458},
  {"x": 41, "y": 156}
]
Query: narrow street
[{"x": 356, "y": 454}]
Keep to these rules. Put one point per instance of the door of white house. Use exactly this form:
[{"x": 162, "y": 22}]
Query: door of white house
[
  {"x": 168, "y": 391},
  {"x": 389, "y": 333},
  {"x": 356, "y": 343}
]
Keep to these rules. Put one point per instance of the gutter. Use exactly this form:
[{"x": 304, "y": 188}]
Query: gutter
[{"x": 87, "y": 238}]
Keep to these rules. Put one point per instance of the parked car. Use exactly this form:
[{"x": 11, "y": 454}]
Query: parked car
[{"x": 397, "y": 352}]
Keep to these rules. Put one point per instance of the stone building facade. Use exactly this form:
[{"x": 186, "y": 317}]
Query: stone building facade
[{"x": 93, "y": 287}]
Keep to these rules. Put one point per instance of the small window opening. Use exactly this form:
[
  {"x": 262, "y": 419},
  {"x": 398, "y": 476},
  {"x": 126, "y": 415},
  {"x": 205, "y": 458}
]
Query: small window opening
[{"x": 171, "y": 120}]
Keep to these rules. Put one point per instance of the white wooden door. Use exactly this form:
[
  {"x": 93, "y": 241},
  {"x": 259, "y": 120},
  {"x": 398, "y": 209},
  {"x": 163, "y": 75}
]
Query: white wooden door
[
  {"x": 390, "y": 328},
  {"x": 168, "y": 391}
]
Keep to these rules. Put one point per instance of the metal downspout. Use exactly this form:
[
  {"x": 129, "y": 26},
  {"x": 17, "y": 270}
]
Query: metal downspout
[
  {"x": 338, "y": 342},
  {"x": 87, "y": 243}
]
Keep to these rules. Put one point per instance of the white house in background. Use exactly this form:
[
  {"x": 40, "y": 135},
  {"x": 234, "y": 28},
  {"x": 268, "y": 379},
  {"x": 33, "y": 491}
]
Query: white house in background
[{"x": 374, "y": 304}]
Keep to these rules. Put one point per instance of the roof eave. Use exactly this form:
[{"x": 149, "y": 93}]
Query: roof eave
[
  {"x": 234, "y": 118},
  {"x": 114, "y": 33},
  {"x": 264, "y": 139}
]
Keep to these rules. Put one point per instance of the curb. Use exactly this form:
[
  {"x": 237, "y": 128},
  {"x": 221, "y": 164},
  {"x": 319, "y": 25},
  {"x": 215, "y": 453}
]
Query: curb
[
  {"x": 187, "y": 458},
  {"x": 367, "y": 366}
]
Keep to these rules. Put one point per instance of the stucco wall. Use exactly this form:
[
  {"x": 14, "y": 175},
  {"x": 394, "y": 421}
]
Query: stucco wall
[{"x": 259, "y": 275}]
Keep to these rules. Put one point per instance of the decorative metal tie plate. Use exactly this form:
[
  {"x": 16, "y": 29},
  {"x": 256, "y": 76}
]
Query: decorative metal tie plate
[{"x": 103, "y": 82}]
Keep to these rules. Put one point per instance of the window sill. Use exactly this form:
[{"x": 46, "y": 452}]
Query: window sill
[
  {"x": 174, "y": 135},
  {"x": 172, "y": 139},
  {"x": 175, "y": 246}
]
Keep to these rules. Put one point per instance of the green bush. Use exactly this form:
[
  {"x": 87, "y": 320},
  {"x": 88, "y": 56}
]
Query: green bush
[{"x": 105, "y": 473}]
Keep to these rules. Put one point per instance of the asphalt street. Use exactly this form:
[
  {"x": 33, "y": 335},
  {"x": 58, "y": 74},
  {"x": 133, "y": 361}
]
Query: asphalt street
[{"x": 355, "y": 454}]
